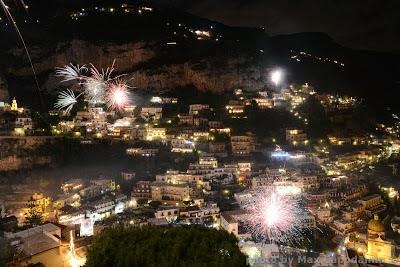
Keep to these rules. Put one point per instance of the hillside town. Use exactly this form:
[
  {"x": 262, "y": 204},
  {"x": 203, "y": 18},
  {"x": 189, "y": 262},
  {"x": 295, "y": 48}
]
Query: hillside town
[{"x": 219, "y": 165}]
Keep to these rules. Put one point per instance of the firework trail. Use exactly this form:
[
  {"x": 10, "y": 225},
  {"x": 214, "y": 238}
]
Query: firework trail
[
  {"x": 117, "y": 96},
  {"x": 66, "y": 100},
  {"x": 275, "y": 217},
  {"x": 11, "y": 19}
]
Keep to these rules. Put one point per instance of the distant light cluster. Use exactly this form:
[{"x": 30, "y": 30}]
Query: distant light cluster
[
  {"x": 122, "y": 9},
  {"x": 299, "y": 55}
]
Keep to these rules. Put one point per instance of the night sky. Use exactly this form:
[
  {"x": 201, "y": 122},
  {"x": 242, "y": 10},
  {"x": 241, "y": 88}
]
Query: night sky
[{"x": 365, "y": 24}]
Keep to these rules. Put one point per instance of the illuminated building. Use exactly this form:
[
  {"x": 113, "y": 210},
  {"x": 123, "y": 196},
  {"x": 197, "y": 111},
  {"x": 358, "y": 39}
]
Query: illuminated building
[
  {"x": 198, "y": 135},
  {"x": 72, "y": 185},
  {"x": 235, "y": 108},
  {"x": 182, "y": 146},
  {"x": 186, "y": 119},
  {"x": 208, "y": 160},
  {"x": 242, "y": 145},
  {"x": 217, "y": 147},
  {"x": 128, "y": 175},
  {"x": 233, "y": 222},
  {"x": 138, "y": 133},
  {"x": 215, "y": 124},
  {"x": 373, "y": 245},
  {"x": 155, "y": 134},
  {"x": 14, "y": 105},
  {"x": 195, "y": 109},
  {"x": 144, "y": 152},
  {"x": 151, "y": 113},
  {"x": 264, "y": 103},
  {"x": 170, "y": 214},
  {"x": 142, "y": 190},
  {"x": 223, "y": 130},
  {"x": 295, "y": 136},
  {"x": 175, "y": 177},
  {"x": 170, "y": 193},
  {"x": 196, "y": 214}
]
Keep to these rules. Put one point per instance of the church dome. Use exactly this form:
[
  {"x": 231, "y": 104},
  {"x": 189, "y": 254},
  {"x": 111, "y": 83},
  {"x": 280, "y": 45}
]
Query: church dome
[{"x": 376, "y": 225}]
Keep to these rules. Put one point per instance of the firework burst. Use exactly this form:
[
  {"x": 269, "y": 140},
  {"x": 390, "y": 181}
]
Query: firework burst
[
  {"x": 66, "y": 100},
  {"x": 275, "y": 217},
  {"x": 71, "y": 72},
  {"x": 117, "y": 96},
  {"x": 98, "y": 85},
  {"x": 95, "y": 90}
]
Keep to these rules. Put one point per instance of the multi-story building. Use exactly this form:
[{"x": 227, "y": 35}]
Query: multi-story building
[
  {"x": 175, "y": 177},
  {"x": 242, "y": 145},
  {"x": 167, "y": 192},
  {"x": 142, "y": 190},
  {"x": 155, "y": 134},
  {"x": 182, "y": 145},
  {"x": 264, "y": 103},
  {"x": 196, "y": 108},
  {"x": 208, "y": 160},
  {"x": 233, "y": 222},
  {"x": 151, "y": 113},
  {"x": 370, "y": 201},
  {"x": 216, "y": 147},
  {"x": 128, "y": 175},
  {"x": 186, "y": 119},
  {"x": 235, "y": 108},
  {"x": 295, "y": 136}
]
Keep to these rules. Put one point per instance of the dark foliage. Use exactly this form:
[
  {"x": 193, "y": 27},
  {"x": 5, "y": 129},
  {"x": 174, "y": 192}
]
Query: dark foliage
[{"x": 161, "y": 246}]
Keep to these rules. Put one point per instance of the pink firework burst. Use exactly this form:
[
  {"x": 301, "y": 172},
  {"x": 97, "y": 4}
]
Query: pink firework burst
[
  {"x": 275, "y": 217},
  {"x": 117, "y": 95}
]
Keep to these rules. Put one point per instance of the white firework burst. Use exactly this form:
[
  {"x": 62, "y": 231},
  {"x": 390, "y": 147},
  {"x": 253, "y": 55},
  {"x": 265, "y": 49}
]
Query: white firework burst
[
  {"x": 275, "y": 217},
  {"x": 117, "y": 95},
  {"x": 95, "y": 90},
  {"x": 66, "y": 100},
  {"x": 71, "y": 72}
]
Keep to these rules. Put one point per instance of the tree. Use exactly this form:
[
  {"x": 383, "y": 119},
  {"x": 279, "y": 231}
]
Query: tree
[
  {"x": 6, "y": 253},
  {"x": 165, "y": 246},
  {"x": 33, "y": 216},
  {"x": 155, "y": 204}
]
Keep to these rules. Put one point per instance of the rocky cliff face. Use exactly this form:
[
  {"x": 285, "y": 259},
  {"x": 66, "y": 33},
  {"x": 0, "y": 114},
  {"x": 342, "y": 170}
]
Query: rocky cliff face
[
  {"x": 81, "y": 52},
  {"x": 216, "y": 80},
  {"x": 231, "y": 73},
  {"x": 20, "y": 152}
]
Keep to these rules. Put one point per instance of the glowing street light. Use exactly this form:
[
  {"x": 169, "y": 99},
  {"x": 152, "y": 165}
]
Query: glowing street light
[{"x": 276, "y": 77}]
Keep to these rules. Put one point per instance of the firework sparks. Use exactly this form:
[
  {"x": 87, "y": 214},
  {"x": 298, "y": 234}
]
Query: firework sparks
[
  {"x": 117, "y": 95},
  {"x": 95, "y": 90},
  {"x": 71, "y": 72},
  {"x": 99, "y": 85},
  {"x": 275, "y": 217},
  {"x": 66, "y": 100},
  {"x": 74, "y": 260}
]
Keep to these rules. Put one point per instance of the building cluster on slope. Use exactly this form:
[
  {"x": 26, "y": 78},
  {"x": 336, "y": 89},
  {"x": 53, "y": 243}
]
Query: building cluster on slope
[{"x": 224, "y": 173}]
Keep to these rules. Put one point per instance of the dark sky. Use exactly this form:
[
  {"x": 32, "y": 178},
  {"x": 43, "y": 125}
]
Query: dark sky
[{"x": 368, "y": 24}]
